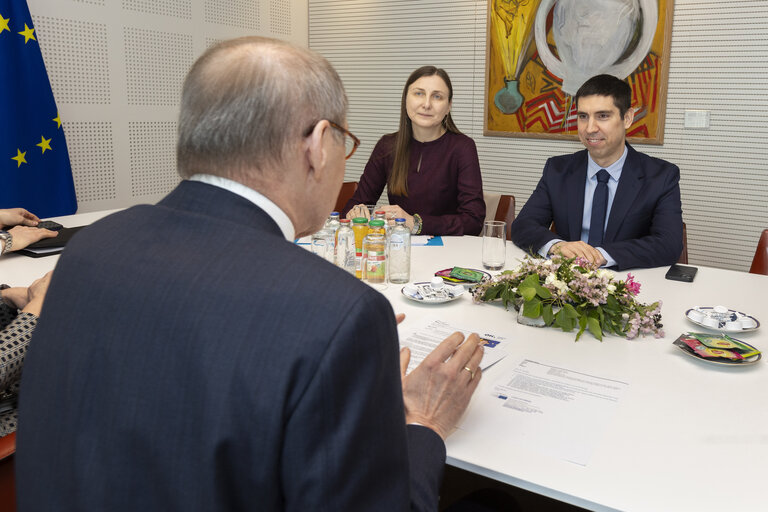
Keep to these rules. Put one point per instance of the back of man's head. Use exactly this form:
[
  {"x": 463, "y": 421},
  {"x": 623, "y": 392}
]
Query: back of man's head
[
  {"x": 607, "y": 85},
  {"x": 247, "y": 101}
]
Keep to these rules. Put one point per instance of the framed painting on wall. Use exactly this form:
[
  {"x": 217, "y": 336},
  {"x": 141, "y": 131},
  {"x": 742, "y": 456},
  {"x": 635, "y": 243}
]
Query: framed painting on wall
[{"x": 539, "y": 52}]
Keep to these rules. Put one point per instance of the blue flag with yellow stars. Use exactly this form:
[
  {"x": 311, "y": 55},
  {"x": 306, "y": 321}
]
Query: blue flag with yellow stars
[{"x": 34, "y": 164}]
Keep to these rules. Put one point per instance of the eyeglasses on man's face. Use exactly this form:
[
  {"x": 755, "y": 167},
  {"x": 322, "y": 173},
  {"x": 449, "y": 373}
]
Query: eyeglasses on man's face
[{"x": 350, "y": 141}]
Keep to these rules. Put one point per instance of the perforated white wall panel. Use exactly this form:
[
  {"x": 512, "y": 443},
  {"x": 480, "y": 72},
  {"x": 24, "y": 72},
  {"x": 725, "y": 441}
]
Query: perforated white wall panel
[
  {"x": 718, "y": 63},
  {"x": 116, "y": 70}
]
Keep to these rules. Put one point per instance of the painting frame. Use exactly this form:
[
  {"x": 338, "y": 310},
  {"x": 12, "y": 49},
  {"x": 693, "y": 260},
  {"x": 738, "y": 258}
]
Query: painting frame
[{"x": 550, "y": 115}]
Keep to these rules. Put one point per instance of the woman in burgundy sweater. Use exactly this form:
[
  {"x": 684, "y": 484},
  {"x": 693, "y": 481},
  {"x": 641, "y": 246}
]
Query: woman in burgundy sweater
[{"x": 430, "y": 168}]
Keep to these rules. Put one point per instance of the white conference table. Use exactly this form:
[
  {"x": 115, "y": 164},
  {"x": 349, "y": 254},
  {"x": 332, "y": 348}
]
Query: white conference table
[{"x": 686, "y": 435}]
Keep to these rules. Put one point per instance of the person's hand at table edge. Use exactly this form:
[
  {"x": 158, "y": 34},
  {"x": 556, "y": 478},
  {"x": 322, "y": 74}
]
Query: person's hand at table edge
[
  {"x": 392, "y": 212},
  {"x": 359, "y": 210},
  {"x": 15, "y": 216},
  {"x": 24, "y": 236},
  {"x": 437, "y": 392},
  {"x": 578, "y": 249}
]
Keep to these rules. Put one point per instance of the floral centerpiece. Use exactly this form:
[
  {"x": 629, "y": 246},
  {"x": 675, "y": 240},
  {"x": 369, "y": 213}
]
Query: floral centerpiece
[{"x": 573, "y": 293}]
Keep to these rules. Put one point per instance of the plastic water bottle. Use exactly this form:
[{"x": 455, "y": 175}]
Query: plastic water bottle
[
  {"x": 400, "y": 253},
  {"x": 345, "y": 247}
]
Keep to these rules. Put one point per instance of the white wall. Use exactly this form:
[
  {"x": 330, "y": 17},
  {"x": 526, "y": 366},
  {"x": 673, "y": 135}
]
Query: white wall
[
  {"x": 116, "y": 69},
  {"x": 719, "y": 62}
]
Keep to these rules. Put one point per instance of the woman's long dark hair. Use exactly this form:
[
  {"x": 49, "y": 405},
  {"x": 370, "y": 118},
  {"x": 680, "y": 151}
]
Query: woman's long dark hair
[{"x": 398, "y": 180}]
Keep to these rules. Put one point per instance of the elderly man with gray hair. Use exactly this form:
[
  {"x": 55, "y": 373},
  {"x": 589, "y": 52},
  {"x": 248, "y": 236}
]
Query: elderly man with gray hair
[{"x": 208, "y": 362}]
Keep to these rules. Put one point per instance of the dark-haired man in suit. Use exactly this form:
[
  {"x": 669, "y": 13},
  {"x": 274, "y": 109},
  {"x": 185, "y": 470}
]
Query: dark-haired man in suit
[
  {"x": 192, "y": 357},
  {"x": 609, "y": 203}
]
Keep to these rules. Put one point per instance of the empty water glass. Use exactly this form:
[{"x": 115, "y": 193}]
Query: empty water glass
[{"x": 494, "y": 244}]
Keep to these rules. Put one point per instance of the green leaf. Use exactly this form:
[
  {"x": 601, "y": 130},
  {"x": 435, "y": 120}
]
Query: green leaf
[
  {"x": 508, "y": 297},
  {"x": 528, "y": 287},
  {"x": 582, "y": 327},
  {"x": 492, "y": 293},
  {"x": 532, "y": 308},
  {"x": 543, "y": 292},
  {"x": 563, "y": 321},
  {"x": 547, "y": 314},
  {"x": 570, "y": 312},
  {"x": 594, "y": 327}
]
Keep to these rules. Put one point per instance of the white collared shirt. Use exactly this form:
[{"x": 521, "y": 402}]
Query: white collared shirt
[{"x": 260, "y": 200}]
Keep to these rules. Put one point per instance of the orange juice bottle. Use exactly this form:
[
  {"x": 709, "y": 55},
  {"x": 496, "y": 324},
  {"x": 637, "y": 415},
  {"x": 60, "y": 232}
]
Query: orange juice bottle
[{"x": 360, "y": 227}]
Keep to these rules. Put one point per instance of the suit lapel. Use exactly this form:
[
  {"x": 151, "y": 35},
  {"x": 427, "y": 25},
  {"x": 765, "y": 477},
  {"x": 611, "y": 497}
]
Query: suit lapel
[
  {"x": 576, "y": 180},
  {"x": 630, "y": 183}
]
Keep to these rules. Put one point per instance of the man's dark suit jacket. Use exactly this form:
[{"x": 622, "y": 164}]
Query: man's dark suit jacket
[
  {"x": 190, "y": 358},
  {"x": 645, "y": 224}
]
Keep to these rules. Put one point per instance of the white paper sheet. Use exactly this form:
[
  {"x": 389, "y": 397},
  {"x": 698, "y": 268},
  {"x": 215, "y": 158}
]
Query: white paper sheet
[
  {"x": 559, "y": 411},
  {"x": 424, "y": 336}
]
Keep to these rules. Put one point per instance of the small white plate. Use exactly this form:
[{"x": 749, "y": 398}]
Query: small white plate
[
  {"x": 423, "y": 292},
  {"x": 731, "y": 315}
]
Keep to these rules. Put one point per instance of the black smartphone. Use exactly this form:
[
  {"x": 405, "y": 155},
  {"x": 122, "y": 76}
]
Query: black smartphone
[{"x": 681, "y": 273}]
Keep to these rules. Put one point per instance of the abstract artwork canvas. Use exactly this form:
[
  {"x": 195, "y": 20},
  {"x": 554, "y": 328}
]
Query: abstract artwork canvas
[{"x": 539, "y": 52}]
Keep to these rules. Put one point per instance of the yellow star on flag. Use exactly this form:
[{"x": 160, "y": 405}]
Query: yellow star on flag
[
  {"x": 19, "y": 157},
  {"x": 58, "y": 120},
  {"x": 44, "y": 144},
  {"x": 28, "y": 33},
  {"x": 4, "y": 24}
]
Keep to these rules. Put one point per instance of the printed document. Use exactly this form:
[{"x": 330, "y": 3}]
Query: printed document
[
  {"x": 430, "y": 332},
  {"x": 559, "y": 411}
]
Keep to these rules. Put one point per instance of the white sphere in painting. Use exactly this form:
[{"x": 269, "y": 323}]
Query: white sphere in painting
[{"x": 592, "y": 37}]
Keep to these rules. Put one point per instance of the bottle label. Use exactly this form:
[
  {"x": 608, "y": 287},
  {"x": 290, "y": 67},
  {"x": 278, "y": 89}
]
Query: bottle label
[{"x": 376, "y": 266}]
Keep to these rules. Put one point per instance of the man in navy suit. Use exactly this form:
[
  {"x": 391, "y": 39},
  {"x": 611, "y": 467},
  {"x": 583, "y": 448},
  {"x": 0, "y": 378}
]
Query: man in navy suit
[
  {"x": 192, "y": 357},
  {"x": 609, "y": 203}
]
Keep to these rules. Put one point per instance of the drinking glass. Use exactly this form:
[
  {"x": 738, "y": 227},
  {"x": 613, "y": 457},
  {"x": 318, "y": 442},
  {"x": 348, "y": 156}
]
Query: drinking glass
[{"x": 494, "y": 244}]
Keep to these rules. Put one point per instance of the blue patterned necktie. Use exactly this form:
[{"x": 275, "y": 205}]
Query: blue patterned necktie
[{"x": 599, "y": 209}]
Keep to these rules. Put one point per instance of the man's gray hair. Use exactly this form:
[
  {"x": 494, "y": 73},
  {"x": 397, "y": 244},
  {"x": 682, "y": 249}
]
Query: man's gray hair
[{"x": 246, "y": 101}]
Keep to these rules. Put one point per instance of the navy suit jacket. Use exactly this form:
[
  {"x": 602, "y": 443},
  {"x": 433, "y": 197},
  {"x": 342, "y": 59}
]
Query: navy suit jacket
[
  {"x": 190, "y": 358},
  {"x": 645, "y": 225}
]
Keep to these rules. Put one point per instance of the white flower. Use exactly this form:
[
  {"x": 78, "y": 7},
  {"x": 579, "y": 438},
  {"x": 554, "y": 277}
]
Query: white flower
[
  {"x": 555, "y": 282},
  {"x": 601, "y": 273},
  {"x": 611, "y": 288},
  {"x": 547, "y": 263}
]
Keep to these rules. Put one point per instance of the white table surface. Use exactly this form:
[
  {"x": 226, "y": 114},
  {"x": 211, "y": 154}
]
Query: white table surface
[{"x": 687, "y": 435}]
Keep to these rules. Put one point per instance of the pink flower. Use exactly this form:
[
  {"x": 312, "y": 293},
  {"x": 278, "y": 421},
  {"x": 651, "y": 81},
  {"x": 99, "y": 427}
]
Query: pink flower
[{"x": 633, "y": 287}]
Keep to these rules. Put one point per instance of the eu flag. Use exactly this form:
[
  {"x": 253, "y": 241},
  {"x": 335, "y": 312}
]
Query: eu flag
[{"x": 34, "y": 164}]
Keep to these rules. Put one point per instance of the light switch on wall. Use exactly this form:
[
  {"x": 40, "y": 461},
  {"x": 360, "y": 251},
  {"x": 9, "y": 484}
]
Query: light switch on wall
[{"x": 697, "y": 119}]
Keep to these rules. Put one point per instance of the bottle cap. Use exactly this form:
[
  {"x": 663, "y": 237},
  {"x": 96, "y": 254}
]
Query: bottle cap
[
  {"x": 359, "y": 220},
  {"x": 376, "y": 223},
  {"x": 334, "y": 214},
  {"x": 344, "y": 221},
  {"x": 399, "y": 219}
]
